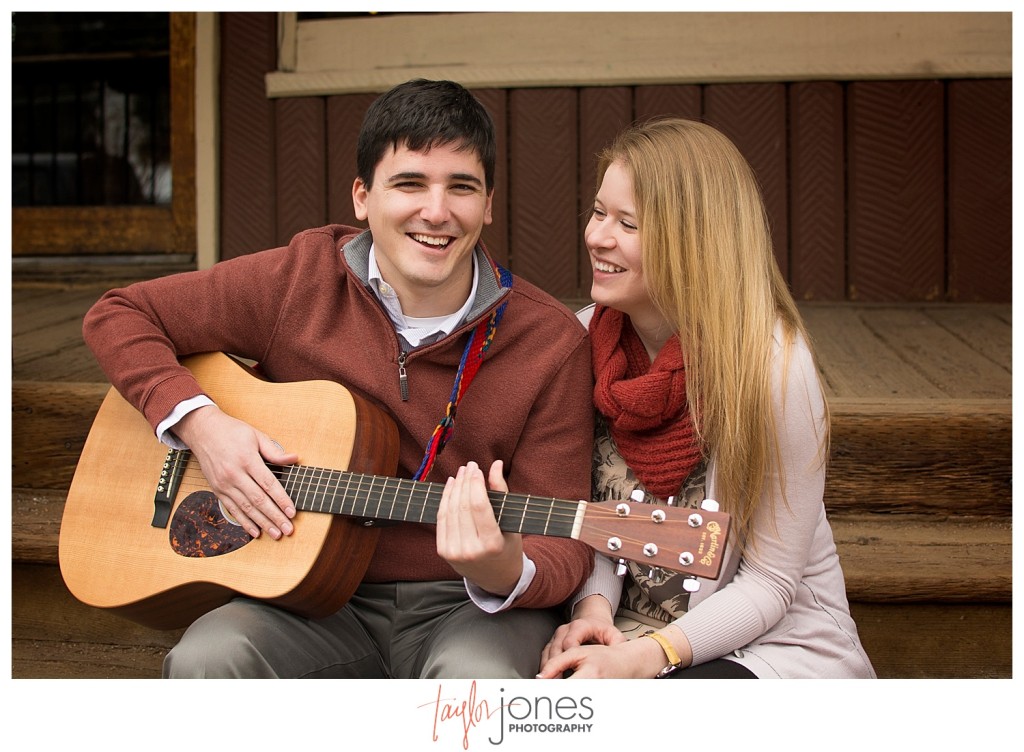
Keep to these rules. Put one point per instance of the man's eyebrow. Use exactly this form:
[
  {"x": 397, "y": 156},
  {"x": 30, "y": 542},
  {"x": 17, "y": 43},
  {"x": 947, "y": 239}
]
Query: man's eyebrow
[
  {"x": 455, "y": 176},
  {"x": 466, "y": 177}
]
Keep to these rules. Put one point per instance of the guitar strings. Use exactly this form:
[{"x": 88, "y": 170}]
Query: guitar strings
[
  {"x": 309, "y": 480},
  {"x": 538, "y": 514}
]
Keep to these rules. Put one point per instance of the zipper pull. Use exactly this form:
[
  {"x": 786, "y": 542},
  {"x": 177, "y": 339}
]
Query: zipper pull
[{"x": 403, "y": 378}]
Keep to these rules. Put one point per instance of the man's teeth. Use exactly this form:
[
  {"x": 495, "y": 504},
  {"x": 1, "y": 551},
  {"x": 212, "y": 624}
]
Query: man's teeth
[
  {"x": 604, "y": 266},
  {"x": 431, "y": 240}
]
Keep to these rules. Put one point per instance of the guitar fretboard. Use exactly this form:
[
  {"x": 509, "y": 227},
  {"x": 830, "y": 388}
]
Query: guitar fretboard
[{"x": 317, "y": 489}]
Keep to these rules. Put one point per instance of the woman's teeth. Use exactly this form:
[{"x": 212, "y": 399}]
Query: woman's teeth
[{"x": 604, "y": 266}]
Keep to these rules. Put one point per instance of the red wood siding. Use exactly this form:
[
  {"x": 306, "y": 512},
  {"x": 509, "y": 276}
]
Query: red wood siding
[
  {"x": 980, "y": 196},
  {"x": 248, "y": 145},
  {"x": 897, "y": 167},
  {"x": 817, "y": 195},
  {"x": 876, "y": 191},
  {"x": 754, "y": 117}
]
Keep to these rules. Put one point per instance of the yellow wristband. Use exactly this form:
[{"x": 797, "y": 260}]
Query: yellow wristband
[{"x": 670, "y": 652}]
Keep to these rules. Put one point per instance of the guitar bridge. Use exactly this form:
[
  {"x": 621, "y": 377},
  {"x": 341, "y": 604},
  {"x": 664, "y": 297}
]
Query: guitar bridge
[{"x": 167, "y": 488}]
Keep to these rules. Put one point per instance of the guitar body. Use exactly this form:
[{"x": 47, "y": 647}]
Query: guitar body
[{"x": 113, "y": 557}]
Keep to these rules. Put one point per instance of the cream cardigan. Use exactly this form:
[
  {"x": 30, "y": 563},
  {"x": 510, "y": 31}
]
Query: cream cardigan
[{"x": 780, "y": 609}]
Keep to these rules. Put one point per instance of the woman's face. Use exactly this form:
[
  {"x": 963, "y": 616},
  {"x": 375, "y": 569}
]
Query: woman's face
[{"x": 613, "y": 240}]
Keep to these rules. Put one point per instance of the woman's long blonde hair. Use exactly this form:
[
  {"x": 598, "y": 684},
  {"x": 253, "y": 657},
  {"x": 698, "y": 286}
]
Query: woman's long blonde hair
[{"x": 710, "y": 269}]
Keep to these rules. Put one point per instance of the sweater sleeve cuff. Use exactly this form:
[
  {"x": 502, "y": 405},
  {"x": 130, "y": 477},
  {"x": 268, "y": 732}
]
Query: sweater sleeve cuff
[
  {"x": 183, "y": 408},
  {"x": 491, "y": 603}
]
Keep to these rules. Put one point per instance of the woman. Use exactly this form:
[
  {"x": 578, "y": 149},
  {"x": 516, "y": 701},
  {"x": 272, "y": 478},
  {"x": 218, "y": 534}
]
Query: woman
[{"x": 706, "y": 388}]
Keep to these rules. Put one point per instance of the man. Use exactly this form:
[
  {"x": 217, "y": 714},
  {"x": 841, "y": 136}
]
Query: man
[{"x": 389, "y": 313}]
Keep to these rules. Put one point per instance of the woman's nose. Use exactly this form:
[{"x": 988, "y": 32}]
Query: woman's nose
[{"x": 597, "y": 236}]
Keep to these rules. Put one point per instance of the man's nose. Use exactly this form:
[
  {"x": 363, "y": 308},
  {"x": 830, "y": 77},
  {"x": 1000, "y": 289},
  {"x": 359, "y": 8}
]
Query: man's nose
[{"x": 435, "y": 209}]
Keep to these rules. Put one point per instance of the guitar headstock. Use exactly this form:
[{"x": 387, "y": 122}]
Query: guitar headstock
[{"x": 682, "y": 539}]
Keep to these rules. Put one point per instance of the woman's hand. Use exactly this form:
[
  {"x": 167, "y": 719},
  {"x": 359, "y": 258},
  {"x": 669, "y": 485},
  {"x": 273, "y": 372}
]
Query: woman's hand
[
  {"x": 592, "y": 623},
  {"x": 629, "y": 659},
  {"x": 613, "y": 656}
]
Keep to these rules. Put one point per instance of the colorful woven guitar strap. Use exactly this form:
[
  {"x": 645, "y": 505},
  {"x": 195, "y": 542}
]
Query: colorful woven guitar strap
[{"x": 472, "y": 357}]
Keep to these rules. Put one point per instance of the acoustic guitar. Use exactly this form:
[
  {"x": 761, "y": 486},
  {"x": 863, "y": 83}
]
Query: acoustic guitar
[{"x": 143, "y": 535}]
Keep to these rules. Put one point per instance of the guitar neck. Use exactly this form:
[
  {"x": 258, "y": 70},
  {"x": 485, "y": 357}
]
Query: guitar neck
[{"x": 375, "y": 497}]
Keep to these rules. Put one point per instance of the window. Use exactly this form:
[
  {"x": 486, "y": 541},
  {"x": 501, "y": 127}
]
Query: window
[{"x": 90, "y": 109}]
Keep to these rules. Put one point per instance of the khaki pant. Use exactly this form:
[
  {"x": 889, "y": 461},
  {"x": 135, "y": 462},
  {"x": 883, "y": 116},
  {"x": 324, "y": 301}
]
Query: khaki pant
[{"x": 402, "y": 630}]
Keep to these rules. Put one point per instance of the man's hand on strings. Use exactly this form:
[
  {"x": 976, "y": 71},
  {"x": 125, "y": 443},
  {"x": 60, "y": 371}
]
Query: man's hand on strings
[
  {"x": 468, "y": 536},
  {"x": 233, "y": 457}
]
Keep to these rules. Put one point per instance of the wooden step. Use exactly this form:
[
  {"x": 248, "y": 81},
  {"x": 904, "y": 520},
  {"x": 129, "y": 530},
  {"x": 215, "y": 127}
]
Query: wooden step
[
  {"x": 897, "y": 456},
  {"x": 56, "y": 637},
  {"x": 886, "y": 557},
  {"x": 931, "y": 600},
  {"x": 916, "y": 455},
  {"x": 53, "y": 636}
]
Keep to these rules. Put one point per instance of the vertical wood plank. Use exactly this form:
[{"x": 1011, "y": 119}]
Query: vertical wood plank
[
  {"x": 896, "y": 191},
  {"x": 817, "y": 198},
  {"x": 604, "y": 113},
  {"x": 248, "y": 51},
  {"x": 301, "y": 165},
  {"x": 980, "y": 191},
  {"x": 495, "y": 235},
  {"x": 682, "y": 101},
  {"x": 543, "y": 183},
  {"x": 754, "y": 117},
  {"x": 344, "y": 117}
]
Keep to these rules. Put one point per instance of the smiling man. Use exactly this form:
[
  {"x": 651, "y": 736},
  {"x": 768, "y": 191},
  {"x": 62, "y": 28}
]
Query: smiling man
[{"x": 392, "y": 312}]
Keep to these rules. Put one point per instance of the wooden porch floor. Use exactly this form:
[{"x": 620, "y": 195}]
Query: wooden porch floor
[{"x": 865, "y": 351}]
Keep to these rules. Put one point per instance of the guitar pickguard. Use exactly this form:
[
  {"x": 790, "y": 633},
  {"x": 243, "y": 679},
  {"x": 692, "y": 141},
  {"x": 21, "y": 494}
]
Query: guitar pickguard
[{"x": 199, "y": 528}]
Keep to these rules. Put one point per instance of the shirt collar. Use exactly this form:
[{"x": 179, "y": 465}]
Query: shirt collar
[{"x": 416, "y": 331}]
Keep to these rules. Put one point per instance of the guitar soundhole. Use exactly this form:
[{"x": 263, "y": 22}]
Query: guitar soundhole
[{"x": 199, "y": 528}]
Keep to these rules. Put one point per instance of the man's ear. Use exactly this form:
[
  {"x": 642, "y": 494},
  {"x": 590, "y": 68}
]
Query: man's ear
[
  {"x": 359, "y": 191},
  {"x": 487, "y": 209}
]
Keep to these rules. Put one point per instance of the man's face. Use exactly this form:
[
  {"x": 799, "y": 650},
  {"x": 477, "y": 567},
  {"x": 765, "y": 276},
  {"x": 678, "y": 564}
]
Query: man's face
[{"x": 426, "y": 210}]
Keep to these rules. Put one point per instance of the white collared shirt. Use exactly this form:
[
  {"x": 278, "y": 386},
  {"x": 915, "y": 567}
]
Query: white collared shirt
[{"x": 418, "y": 331}]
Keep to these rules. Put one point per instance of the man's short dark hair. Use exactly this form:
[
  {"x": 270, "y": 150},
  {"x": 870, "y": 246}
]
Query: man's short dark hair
[{"x": 421, "y": 114}]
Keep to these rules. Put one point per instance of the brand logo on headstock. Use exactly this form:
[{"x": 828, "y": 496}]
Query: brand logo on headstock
[{"x": 715, "y": 532}]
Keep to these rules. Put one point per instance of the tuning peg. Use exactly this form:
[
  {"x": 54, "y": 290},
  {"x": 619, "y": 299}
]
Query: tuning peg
[
  {"x": 620, "y": 569},
  {"x": 691, "y": 584},
  {"x": 671, "y": 501},
  {"x": 638, "y": 495},
  {"x": 709, "y": 505},
  {"x": 657, "y": 575}
]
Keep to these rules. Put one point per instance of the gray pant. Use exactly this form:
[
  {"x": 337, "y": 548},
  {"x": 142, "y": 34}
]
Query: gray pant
[{"x": 406, "y": 630}]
